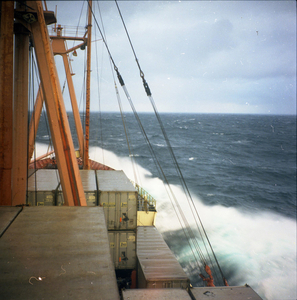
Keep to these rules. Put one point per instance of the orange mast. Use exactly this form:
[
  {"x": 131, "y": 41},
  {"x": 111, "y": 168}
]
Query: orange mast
[
  {"x": 64, "y": 149},
  {"x": 87, "y": 124},
  {"x": 6, "y": 100}
]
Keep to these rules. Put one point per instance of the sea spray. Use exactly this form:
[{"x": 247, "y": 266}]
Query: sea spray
[{"x": 254, "y": 248}]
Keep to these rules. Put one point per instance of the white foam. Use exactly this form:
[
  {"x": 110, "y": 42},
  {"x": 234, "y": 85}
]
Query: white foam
[
  {"x": 40, "y": 149},
  {"x": 262, "y": 246}
]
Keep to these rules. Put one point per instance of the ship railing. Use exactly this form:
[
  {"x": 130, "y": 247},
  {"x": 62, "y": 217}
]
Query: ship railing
[
  {"x": 69, "y": 31},
  {"x": 146, "y": 202}
]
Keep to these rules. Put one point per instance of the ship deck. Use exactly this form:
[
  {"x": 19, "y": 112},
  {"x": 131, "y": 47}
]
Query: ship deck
[
  {"x": 52, "y": 252},
  {"x": 55, "y": 253}
]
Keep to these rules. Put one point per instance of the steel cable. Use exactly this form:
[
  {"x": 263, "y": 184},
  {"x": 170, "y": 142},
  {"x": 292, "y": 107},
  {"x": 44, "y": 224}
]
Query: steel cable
[
  {"x": 157, "y": 164},
  {"x": 184, "y": 185}
]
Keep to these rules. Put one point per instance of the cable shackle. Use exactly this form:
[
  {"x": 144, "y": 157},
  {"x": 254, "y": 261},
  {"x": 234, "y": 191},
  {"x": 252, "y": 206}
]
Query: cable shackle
[
  {"x": 146, "y": 87},
  {"x": 121, "y": 80}
]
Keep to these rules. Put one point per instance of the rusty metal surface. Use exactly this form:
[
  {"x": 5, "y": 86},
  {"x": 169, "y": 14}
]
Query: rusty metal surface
[
  {"x": 6, "y": 100},
  {"x": 94, "y": 165},
  {"x": 88, "y": 88},
  {"x": 51, "y": 163},
  {"x": 61, "y": 135},
  {"x": 57, "y": 253},
  {"x": 59, "y": 47},
  {"x": 75, "y": 109},
  {"x": 20, "y": 119}
]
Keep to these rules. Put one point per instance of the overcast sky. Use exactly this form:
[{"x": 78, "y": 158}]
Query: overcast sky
[{"x": 197, "y": 56}]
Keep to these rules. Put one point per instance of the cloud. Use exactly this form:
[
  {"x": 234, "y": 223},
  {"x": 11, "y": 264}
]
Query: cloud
[{"x": 224, "y": 52}]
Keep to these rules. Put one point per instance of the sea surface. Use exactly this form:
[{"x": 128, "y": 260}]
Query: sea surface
[{"x": 241, "y": 173}]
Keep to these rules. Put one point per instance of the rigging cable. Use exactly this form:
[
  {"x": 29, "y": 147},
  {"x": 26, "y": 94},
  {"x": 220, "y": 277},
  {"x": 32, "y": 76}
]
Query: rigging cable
[
  {"x": 30, "y": 95},
  {"x": 130, "y": 149},
  {"x": 149, "y": 94},
  {"x": 126, "y": 133},
  {"x": 82, "y": 100},
  {"x": 69, "y": 56},
  {"x": 50, "y": 146},
  {"x": 99, "y": 96},
  {"x": 172, "y": 197},
  {"x": 157, "y": 164},
  {"x": 28, "y": 121}
]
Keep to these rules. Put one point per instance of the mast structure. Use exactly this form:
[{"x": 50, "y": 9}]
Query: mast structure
[
  {"x": 88, "y": 84},
  {"x": 64, "y": 149},
  {"x": 32, "y": 17},
  {"x": 6, "y": 100},
  {"x": 20, "y": 114},
  {"x": 34, "y": 122},
  {"x": 59, "y": 48}
]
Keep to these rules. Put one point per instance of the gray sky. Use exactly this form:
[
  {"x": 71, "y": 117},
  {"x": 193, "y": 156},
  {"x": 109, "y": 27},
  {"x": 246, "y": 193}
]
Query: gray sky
[{"x": 197, "y": 56}]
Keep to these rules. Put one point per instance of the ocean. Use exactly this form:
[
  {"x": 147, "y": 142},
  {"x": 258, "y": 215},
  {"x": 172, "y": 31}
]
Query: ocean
[{"x": 241, "y": 173}]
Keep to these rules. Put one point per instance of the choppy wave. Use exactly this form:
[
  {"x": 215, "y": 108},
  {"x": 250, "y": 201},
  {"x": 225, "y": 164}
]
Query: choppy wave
[
  {"x": 258, "y": 249},
  {"x": 242, "y": 181}
]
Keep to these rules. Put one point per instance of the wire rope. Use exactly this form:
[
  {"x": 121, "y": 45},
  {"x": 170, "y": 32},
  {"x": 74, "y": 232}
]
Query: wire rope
[
  {"x": 183, "y": 182},
  {"x": 157, "y": 164},
  {"x": 158, "y": 167},
  {"x": 69, "y": 56},
  {"x": 50, "y": 146},
  {"x": 128, "y": 139},
  {"x": 28, "y": 121},
  {"x": 99, "y": 90},
  {"x": 31, "y": 76},
  {"x": 171, "y": 195},
  {"x": 32, "y": 97}
]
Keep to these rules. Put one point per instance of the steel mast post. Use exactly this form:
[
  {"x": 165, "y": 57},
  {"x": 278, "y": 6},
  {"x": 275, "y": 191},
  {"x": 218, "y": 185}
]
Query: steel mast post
[
  {"x": 77, "y": 120},
  {"x": 20, "y": 116},
  {"x": 6, "y": 100},
  {"x": 59, "y": 48},
  {"x": 62, "y": 140},
  {"x": 34, "y": 122},
  {"x": 87, "y": 124}
]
